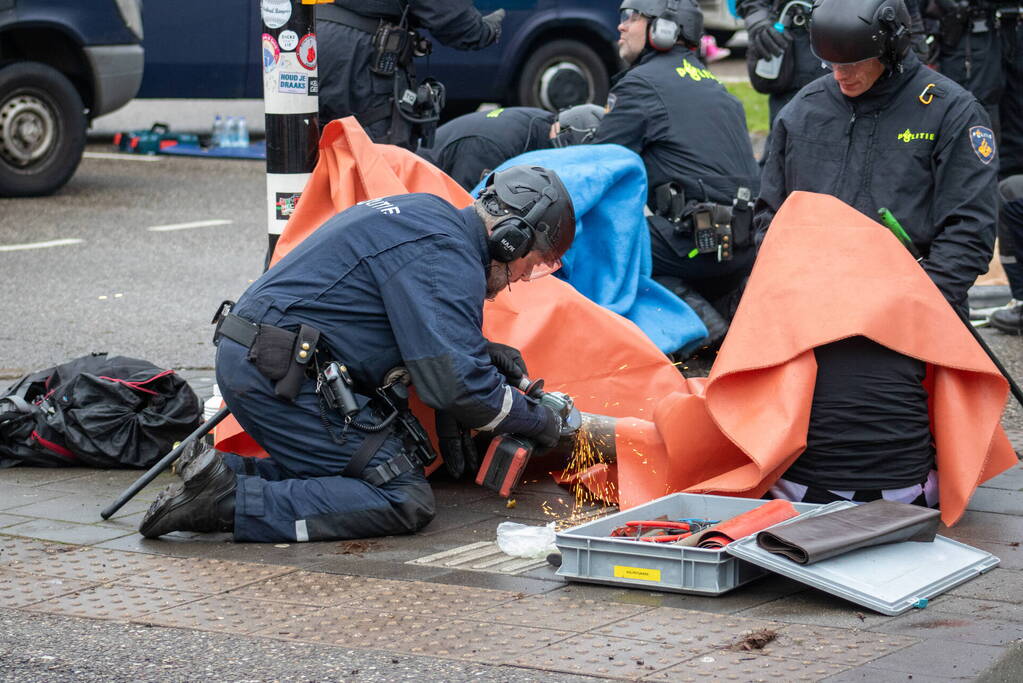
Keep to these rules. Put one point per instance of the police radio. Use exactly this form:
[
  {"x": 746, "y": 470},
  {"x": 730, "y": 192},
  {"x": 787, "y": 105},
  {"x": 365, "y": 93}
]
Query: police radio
[{"x": 392, "y": 47}]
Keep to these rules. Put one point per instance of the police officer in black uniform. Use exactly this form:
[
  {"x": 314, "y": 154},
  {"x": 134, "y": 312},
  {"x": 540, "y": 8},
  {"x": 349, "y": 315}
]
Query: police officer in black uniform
[
  {"x": 885, "y": 131},
  {"x": 366, "y": 51},
  {"x": 470, "y": 146},
  {"x": 691, "y": 133},
  {"x": 314, "y": 359}
]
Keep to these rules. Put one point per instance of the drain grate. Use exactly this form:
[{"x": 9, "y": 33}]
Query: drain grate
[{"x": 484, "y": 556}]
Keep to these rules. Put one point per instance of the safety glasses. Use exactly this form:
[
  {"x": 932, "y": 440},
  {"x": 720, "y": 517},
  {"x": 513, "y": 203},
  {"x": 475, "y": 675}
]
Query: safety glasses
[{"x": 627, "y": 15}]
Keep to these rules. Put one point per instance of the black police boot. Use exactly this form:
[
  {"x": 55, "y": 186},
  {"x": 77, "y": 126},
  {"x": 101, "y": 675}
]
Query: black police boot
[
  {"x": 202, "y": 501},
  {"x": 194, "y": 450},
  {"x": 1009, "y": 318}
]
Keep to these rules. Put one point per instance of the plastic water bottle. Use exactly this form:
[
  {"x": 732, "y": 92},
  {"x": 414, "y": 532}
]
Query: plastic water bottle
[
  {"x": 231, "y": 132},
  {"x": 243, "y": 132},
  {"x": 770, "y": 67},
  {"x": 217, "y": 137},
  {"x": 212, "y": 404}
]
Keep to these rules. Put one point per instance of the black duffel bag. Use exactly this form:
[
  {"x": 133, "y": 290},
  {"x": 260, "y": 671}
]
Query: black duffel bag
[{"x": 96, "y": 411}]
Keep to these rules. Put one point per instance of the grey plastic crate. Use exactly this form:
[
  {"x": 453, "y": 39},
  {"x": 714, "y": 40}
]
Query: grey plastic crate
[{"x": 589, "y": 554}]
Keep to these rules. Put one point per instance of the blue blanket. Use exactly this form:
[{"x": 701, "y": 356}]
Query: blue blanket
[{"x": 609, "y": 261}]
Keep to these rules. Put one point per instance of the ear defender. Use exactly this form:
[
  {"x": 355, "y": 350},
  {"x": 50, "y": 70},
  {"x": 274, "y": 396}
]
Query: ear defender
[
  {"x": 663, "y": 33},
  {"x": 513, "y": 236}
]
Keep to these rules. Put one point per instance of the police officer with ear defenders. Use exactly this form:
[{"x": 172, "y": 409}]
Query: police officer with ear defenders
[
  {"x": 388, "y": 292},
  {"x": 883, "y": 130},
  {"x": 691, "y": 134}
]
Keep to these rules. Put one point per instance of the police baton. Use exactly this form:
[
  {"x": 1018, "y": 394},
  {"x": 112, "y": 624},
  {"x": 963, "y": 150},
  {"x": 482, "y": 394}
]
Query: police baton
[
  {"x": 892, "y": 224},
  {"x": 165, "y": 462}
]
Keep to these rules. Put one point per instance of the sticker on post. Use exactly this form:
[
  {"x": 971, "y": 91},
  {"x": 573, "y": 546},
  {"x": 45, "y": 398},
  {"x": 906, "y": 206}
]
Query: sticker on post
[
  {"x": 275, "y": 13},
  {"x": 285, "y": 204},
  {"x": 271, "y": 53},
  {"x": 288, "y": 40},
  {"x": 314, "y": 86},
  {"x": 289, "y": 83},
  {"x": 306, "y": 51},
  {"x": 641, "y": 573}
]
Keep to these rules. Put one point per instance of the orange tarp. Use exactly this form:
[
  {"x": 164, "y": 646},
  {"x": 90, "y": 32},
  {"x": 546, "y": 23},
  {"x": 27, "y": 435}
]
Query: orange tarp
[{"x": 824, "y": 273}]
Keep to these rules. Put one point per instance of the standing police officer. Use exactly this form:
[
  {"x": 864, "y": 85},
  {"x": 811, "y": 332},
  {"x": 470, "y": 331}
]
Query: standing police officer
[
  {"x": 691, "y": 133},
  {"x": 314, "y": 359},
  {"x": 885, "y": 131},
  {"x": 468, "y": 147},
  {"x": 366, "y": 51}
]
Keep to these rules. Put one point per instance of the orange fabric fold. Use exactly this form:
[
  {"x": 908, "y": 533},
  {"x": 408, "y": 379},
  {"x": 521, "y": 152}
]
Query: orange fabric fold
[{"x": 825, "y": 272}]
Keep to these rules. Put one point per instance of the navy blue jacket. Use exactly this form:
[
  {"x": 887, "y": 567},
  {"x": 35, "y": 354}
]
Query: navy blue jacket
[
  {"x": 399, "y": 281},
  {"x": 467, "y": 146},
  {"x": 933, "y": 165},
  {"x": 678, "y": 117}
]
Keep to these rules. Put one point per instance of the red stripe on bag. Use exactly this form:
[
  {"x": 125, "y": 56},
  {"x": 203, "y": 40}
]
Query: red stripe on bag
[{"x": 50, "y": 446}]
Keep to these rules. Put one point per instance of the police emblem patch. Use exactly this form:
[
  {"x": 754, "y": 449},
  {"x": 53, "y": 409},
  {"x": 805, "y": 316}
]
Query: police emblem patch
[{"x": 983, "y": 142}]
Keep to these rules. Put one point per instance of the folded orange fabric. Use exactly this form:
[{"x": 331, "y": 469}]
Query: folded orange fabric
[{"x": 740, "y": 526}]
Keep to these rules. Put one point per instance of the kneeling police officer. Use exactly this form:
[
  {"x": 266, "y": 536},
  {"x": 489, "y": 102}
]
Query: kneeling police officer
[{"x": 315, "y": 358}]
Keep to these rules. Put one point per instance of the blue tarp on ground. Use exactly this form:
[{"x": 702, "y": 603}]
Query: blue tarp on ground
[{"x": 609, "y": 262}]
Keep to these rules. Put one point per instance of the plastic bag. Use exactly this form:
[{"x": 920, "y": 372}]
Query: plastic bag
[{"x": 527, "y": 542}]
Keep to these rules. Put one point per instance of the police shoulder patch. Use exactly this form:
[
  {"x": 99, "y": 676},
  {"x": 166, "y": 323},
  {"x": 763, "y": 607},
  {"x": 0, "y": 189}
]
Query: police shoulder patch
[{"x": 982, "y": 140}]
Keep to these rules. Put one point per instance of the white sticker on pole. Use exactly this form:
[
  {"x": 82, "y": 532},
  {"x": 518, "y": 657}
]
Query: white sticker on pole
[
  {"x": 275, "y": 13},
  {"x": 287, "y": 40},
  {"x": 283, "y": 191},
  {"x": 291, "y": 87}
]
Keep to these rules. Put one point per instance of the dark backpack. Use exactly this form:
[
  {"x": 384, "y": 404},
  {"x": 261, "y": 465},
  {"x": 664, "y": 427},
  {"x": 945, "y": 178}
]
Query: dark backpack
[{"x": 96, "y": 411}]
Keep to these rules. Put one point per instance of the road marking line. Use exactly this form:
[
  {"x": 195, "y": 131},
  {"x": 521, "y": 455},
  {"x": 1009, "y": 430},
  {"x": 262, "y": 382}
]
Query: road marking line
[
  {"x": 123, "y": 157},
  {"x": 39, "y": 245},
  {"x": 189, "y": 226}
]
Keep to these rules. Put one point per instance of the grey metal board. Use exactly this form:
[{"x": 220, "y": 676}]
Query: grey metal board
[{"x": 889, "y": 579}]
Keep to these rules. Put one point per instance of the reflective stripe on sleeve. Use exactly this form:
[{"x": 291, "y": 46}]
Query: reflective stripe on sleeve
[{"x": 506, "y": 406}]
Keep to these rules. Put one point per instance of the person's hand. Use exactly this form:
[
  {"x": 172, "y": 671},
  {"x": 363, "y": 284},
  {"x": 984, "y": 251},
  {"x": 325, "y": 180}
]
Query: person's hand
[
  {"x": 456, "y": 446},
  {"x": 764, "y": 39},
  {"x": 493, "y": 22},
  {"x": 507, "y": 360},
  {"x": 551, "y": 434}
]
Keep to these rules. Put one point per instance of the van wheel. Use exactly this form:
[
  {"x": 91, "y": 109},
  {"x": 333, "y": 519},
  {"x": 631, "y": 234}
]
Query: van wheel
[
  {"x": 563, "y": 73},
  {"x": 42, "y": 129}
]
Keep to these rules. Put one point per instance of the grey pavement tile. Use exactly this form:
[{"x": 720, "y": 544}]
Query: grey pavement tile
[
  {"x": 65, "y": 532},
  {"x": 986, "y": 526},
  {"x": 940, "y": 658},
  {"x": 108, "y": 484},
  {"x": 470, "y": 640},
  {"x": 966, "y": 628},
  {"x": 39, "y": 476},
  {"x": 513, "y": 583},
  {"x": 175, "y": 544},
  {"x": 816, "y": 607},
  {"x": 604, "y": 656},
  {"x": 450, "y": 519},
  {"x": 993, "y": 609},
  {"x": 449, "y": 493},
  {"x": 20, "y": 589},
  {"x": 730, "y": 665},
  {"x": 528, "y": 508},
  {"x": 352, "y": 628},
  {"x": 998, "y": 584},
  {"x": 313, "y": 588},
  {"x": 1009, "y": 554},
  {"x": 428, "y": 599},
  {"x": 686, "y": 628},
  {"x": 11, "y": 520},
  {"x": 229, "y": 614},
  {"x": 365, "y": 566},
  {"x": 871, "y": 675},
  {"x": 81, "y": 562},
  {"x": 12, "y": 496},
  {"x": 567, "y": 611},
  {"x": 1001, "y": 501},
  {"x": 113, "y": 601},
  {"x": 847, "y": 647},
  {"x": 77, "y": 507},
  {"x": 202, "y": 575},
  {"x": 1010, "y": 479}
]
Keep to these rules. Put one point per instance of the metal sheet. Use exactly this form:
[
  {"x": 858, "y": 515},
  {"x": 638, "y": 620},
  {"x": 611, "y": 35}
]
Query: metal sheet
[{"x": 889, "y": 579}]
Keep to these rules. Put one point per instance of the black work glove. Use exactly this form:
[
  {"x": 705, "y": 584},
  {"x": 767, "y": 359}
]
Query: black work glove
[
  {"x": 508, "y": 360},
  {"x": 493, "y": 22},
  {"x": 551, "y": 434},
  {"x": 764, "y": 39},
  {"x": 456, "y": 446}
]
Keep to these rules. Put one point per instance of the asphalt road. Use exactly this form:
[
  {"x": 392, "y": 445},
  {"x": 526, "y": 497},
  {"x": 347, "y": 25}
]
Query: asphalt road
[{"x": 123, "y": 287}]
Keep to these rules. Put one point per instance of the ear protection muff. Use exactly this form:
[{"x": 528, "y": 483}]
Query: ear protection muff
[
  {"x": 663, "y": 32},
  {"x": 899, "y": 38},
  {"x": 512, "y": 237}
]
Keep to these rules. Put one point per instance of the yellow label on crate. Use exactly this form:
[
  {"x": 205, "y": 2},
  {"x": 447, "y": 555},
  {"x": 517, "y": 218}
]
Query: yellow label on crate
[{"x": 622, "y": 572}]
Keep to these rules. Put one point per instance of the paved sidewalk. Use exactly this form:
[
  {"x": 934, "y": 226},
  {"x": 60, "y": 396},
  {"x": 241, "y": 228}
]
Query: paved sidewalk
[{"x": 60, "y": 568}]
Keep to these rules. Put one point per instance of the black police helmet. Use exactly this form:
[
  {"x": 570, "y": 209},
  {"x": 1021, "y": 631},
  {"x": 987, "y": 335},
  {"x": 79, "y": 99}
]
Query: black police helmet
[
  {"x": 685, "y": 14},
  {"x": 542, "y": 209},
  {"x": 846, "y": 31},
  {"x": 578, "y": 124}
]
